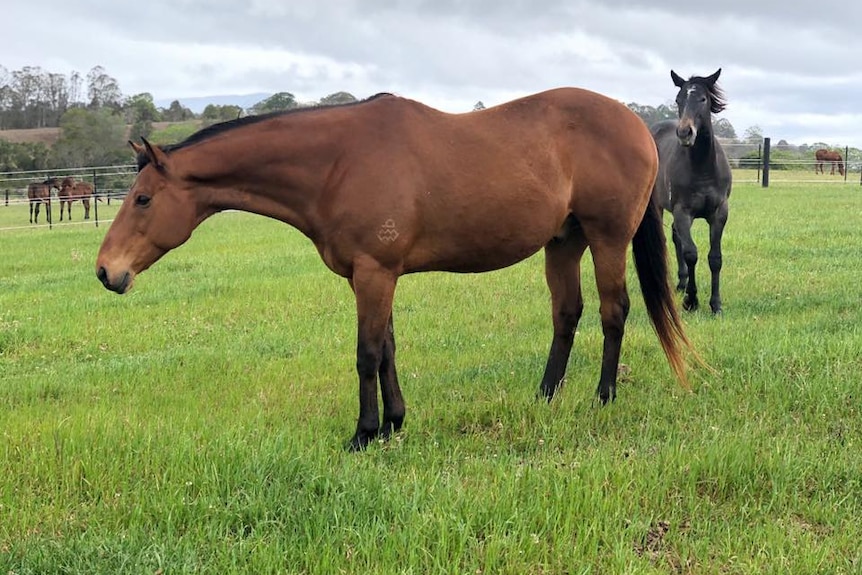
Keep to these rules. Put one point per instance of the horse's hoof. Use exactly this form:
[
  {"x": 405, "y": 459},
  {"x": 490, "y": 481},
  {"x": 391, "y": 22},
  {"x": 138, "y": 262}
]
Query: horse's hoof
[
  {"x": 360, "y": 441},
  {"x": 689, "y": 304},
  {"x": 389, "y": 429},
  {"x": 606, "y": 396}
]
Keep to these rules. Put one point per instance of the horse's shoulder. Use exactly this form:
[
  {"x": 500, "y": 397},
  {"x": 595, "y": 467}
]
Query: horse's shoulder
[{"x": 662, "y": 129}]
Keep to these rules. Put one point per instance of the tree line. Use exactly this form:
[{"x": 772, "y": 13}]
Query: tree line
[{"x": 96, "y": 119}]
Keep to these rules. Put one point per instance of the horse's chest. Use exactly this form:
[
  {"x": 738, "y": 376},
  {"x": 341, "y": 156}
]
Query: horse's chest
[{"x": 698, "y": 199}]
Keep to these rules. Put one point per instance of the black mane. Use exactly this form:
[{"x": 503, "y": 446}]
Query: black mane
[
  {"x": 221, "y": 127},
  {"x": 717, "y": 99}
]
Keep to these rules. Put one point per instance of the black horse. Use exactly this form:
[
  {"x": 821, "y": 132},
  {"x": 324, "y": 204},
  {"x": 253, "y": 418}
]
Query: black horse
[{"x": 694, "y": 179}]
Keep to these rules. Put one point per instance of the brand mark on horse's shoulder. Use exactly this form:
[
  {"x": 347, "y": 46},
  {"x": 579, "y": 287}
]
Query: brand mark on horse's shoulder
[{"x": 388, "y": 233}]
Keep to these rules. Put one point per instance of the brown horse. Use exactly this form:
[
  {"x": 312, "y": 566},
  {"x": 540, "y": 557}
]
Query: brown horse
[
  {"x": 39, "y": 193},
  {"x": 69, "y": 191},
  {"x": 823, "y": 155},
  {"x": 388, "y": 186}
]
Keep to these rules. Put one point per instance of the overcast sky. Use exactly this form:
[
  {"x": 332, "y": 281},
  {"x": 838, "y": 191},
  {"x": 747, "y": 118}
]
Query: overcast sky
[{"x": 792, "y": 68}]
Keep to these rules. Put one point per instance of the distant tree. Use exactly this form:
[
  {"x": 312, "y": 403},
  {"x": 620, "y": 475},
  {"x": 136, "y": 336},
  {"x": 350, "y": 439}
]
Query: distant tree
[
  {"x": 140, "y": 111},
  {"x": 651, "y": 115},
  {"x": 103, "y": 90},
  {"x": 753, "y": 134},
  {"x": 213, "y": 113},
  {"x": 27, "y": 97},
  {"x": 75, "y": 82},
  {"x": 337, "y": 99},
  {"x": 722, "y": 128},
  {"x": 33, "y": 98},
  {"x": 275, "y": 103},
  {"x": 89, "y": 138},
  {"x": 23, "y": 156},
  {"x": 478, "y": 106},
  {"x": 176, "y": 112}
]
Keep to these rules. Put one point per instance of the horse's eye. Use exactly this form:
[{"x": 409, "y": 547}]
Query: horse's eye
[{"x": 142, "y": 201}]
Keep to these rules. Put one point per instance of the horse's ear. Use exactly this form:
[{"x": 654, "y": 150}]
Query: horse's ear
[
  {"x": 714, "y": 78},
  {"x": 678, "y": 80},
  {"x": 137, "y": 147},
  {"x": 158, "y": 158}
]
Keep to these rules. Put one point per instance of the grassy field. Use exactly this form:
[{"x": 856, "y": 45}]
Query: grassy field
[{"x": 196, "y": 425}]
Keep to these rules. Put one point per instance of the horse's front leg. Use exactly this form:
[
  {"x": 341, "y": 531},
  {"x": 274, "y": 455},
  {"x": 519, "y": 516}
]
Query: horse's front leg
[
  {"x": 682, "y": 269},
  {"x": 374, "y": 287},
  {"x": 716, "y": 230},
  {"x": 682, "y": 226}
]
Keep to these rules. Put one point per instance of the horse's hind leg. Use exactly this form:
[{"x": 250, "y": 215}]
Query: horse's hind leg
[
  {"x": 563, "y": 274},
  {"x": 610, "y": 263},
  {"x": 716, "y": 230},
  {"x": 393, "y": 402}
]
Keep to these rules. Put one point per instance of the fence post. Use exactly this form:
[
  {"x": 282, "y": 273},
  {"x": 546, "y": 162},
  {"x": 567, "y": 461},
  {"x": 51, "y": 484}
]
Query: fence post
[
  {"x": 759, "y": 159},
  {"x": 845, "y": 161},
  {"x": 766, "y": 146},
  {"x": 7, "y": 196},
  {"x": 95, "y": 199}
]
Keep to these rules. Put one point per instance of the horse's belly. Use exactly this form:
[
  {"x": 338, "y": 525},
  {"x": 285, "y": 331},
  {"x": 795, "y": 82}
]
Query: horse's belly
[{"x": 472, "y": 249}]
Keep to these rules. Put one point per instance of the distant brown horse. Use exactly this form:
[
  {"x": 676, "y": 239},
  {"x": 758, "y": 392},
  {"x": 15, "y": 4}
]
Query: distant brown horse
[
  {"x": 39, "y": 193},
  {"x": 823, "y": 155},
  {"x": 388, "y": 186},
  {"x": 70, "y": 190}
]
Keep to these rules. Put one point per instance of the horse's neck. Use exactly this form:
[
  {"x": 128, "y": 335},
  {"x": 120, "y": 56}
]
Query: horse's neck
[
  {"x": 702, "y": 153},
  {"x": 281, "y": 178}
]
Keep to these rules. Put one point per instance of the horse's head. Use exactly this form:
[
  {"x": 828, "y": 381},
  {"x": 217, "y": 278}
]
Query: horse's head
[
  {"x": 53, "y": 183},
  {"x": 698, "y": 97},
  {"x": 158, "y": 214}
]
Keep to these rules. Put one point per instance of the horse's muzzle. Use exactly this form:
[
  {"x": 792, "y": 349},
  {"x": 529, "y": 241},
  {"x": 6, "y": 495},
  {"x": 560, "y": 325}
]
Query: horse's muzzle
[
  {"x": 120, "y": 287},
  {"x": 686, "y": 134}
]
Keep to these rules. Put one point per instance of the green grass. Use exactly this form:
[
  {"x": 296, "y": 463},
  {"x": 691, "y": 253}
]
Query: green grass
[{"x": 197, "y": 423}]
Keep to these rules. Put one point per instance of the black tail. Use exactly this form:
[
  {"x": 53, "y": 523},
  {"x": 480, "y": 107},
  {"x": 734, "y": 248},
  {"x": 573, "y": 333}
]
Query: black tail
[{"x": 650, "y": 255}]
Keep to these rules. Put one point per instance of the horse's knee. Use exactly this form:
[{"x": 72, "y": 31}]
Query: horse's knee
[
  {"x": 689, "y": 254},
  {"x": 715, "y": 262}
]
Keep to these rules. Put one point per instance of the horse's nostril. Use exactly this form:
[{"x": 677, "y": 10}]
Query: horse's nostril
[{"x": 102, "y": 274}]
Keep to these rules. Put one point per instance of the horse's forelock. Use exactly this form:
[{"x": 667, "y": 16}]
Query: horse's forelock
[{"x": 717, "y": 99}]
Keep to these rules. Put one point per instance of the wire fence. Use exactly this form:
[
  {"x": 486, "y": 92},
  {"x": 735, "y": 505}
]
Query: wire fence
[{"x": 111, "y": 183}]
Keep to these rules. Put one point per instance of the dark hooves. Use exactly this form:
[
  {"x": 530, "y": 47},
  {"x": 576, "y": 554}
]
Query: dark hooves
[{"x": 362, "y": 439}]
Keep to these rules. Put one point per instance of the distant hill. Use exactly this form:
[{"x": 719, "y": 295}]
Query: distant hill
[{"x": 197, "y": 104}]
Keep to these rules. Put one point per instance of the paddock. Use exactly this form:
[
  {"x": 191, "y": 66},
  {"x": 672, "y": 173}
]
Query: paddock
[{"x": 197, "y": 421}]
